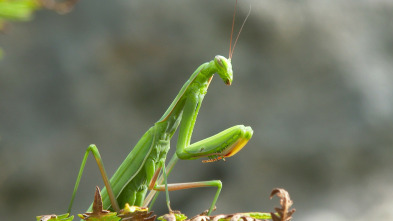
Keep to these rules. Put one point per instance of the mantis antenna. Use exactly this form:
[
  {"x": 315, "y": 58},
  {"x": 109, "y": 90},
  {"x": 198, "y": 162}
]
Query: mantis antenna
[{"x": 231, "y": 49}]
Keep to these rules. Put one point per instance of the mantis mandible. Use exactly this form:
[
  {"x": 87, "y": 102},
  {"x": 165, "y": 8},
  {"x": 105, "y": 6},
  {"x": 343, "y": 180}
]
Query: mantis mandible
[{"x": 140, "y": 170}]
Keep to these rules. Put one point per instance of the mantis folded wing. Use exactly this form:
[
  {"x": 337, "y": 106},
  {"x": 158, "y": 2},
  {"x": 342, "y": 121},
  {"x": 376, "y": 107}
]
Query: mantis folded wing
[{"x": 140, "y": 169}]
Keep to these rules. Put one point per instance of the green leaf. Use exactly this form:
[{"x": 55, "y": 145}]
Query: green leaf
[
  {"x": 111, "y": 216},
  {"x": 173, "y": 217},
  {"x": 258, "y": 215},
  {"x": 53, "y": 217},
  {"x": 20, "y": 10}
]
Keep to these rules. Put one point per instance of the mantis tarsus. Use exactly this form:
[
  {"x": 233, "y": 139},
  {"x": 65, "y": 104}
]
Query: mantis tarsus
[{"x": 140, "y": 170}]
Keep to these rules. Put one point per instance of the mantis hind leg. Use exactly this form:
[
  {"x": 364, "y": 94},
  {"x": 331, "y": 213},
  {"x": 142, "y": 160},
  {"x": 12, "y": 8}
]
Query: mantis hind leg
[
  {"x": 93, "y": 149},
  {"x": 177, "y": 186},
  {"x": 181, "y": 186}
]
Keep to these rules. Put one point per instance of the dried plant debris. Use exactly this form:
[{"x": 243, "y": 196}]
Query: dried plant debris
[
  {"x": 53, "y": 217},
  {"x": 136, "y": 213},
  {"x": 283, "y": 213},
  {"x": 98, "y": 213},
  {"x": 233, "y": 217},
  {"x": 133, "y": 213},
  {"x": 252, "y": 216}
]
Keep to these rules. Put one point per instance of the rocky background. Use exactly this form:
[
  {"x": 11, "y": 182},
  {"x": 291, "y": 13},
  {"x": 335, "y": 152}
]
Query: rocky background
[{"x": 313, "y": 78}]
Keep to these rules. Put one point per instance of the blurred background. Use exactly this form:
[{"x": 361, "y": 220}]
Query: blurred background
[{"x": 313, "y": 78}]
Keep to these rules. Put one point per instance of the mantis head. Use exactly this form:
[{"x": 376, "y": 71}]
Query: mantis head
[
  {"x": 224, "y": 69},
  {"x": 224, "y": 66}
]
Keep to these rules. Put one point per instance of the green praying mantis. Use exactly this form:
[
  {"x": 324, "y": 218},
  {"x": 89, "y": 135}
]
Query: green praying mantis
[{"x": 140, "y": 171}]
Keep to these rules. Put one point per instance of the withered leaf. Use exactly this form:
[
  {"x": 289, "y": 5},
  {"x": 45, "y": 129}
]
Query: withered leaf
[
  {"x": 284, "y": 214},
  {"x": 98, "y": 213}
]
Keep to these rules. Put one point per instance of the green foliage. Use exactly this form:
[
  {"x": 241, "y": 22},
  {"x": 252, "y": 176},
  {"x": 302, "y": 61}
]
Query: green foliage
[
  {"x": 17, "y": 10},
  {"x": 258, "y": 215},
  {"x": 22, "y": 10},
  {"x": 111, "y": 216},
  {"x": 63, "y": 217},
  {"x": 173, "y": 217}
]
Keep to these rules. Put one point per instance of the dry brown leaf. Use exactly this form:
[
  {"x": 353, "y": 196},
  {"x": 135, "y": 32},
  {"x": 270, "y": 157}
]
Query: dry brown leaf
[
  {"x": 98, "y": 212},
  {"x": 285, "y": 202}
]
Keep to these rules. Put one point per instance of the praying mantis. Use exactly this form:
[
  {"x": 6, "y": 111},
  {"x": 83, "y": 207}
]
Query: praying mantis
[{"x": 140, "y": 170}]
